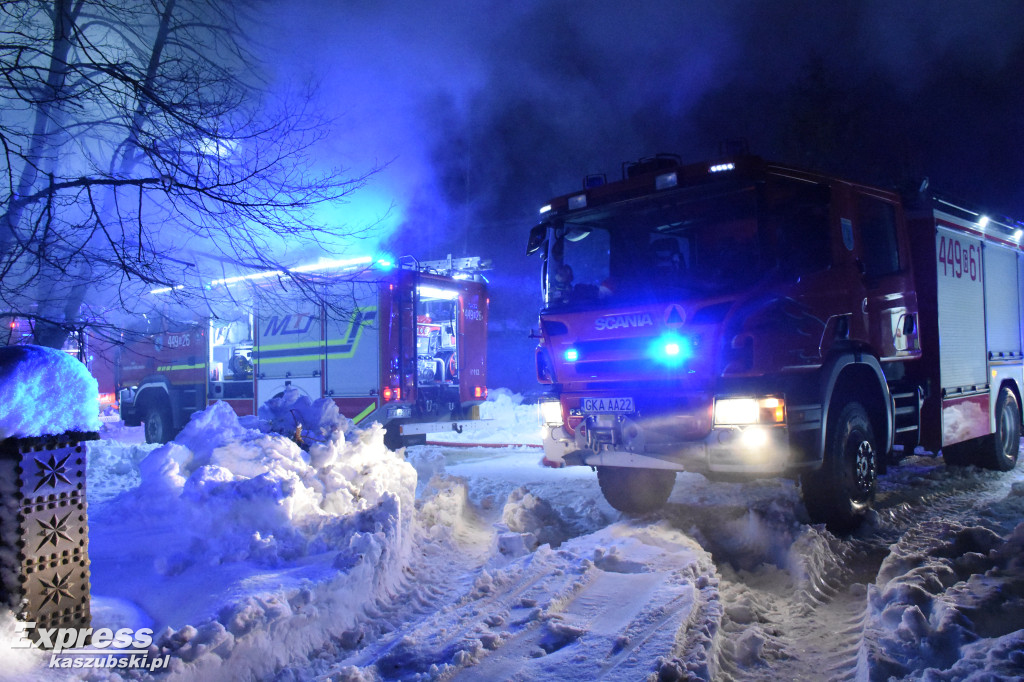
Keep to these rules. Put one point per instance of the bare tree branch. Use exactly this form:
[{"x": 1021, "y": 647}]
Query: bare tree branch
[{"x": 139, "y": 150}]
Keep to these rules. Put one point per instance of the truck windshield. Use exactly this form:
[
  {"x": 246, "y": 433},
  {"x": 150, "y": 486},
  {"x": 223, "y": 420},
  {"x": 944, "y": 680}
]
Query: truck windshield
[{"x": 692, "y": 242}]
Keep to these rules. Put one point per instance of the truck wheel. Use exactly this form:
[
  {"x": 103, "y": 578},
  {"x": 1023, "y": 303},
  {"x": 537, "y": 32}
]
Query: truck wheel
[
  {"x": 158, "y": 424},
  {"x": 840, "y": 493},
  {"x": 997, "y": 451},
  {"x": 636, "y": 491},
  {"x": 1004, "y": 445}
]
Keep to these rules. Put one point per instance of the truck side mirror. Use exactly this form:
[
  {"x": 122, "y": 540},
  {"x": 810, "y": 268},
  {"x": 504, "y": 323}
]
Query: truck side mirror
[{"x": 538, "y": 237}]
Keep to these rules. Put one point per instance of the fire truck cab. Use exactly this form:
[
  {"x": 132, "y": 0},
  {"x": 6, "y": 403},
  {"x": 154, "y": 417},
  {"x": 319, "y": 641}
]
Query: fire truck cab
[
  {"x": 745, "y": 319},
  {"x": 402, "y": 345}
]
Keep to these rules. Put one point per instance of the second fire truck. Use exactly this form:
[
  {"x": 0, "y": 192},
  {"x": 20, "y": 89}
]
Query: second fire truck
[
  {"x": 404, "y": 345},
  {"x": 744, "y": 319}
]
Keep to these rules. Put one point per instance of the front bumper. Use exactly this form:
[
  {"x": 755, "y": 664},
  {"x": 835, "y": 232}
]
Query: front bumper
[
  {"x": 746, "y": 451},
  {"x": 126, "y": 400}
]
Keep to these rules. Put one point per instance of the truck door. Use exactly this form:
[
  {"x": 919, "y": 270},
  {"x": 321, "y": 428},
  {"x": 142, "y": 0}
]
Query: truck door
[
  {"x": 889, "y": 305},
  {"x": 352, "y": 327},
  {"x": 473, "y": 311},
  {"x": 288, "y": 348},
  {"x": 1002, "y": 320},
  {"x": 1002, "y": 304}
]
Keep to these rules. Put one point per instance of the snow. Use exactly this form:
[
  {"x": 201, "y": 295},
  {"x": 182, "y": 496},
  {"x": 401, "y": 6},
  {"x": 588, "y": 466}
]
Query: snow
[
  {"x": 951, "y": 597},
  {"x": 295, "y": 546},
  {"x": 504, "y": 420},
  {"x": 44, "y": 391}
]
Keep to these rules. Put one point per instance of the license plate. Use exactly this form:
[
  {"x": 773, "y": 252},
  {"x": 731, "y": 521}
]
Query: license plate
[{"x": 597, "y": 405}]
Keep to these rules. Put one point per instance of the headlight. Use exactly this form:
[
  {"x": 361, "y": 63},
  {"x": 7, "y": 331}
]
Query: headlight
[
  {"x": 740, "y": 411},
  {"x": 551, "y": 412}
]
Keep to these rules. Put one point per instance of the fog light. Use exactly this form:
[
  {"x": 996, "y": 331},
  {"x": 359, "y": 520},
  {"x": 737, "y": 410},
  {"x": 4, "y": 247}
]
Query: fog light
[
  {"x": 754, "y": 438},
  {"x": 550, "y": 411}
]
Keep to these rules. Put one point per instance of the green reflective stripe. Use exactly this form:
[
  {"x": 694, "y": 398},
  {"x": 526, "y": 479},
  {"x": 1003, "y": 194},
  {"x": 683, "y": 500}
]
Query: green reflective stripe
[
  {"x": 345, "y": 347},
  {"x": 296, "y": 346},
  {"x": 289, "y": 358},
  {"x": 362, "y": 415},
  {"x": 169, "y": 368}
]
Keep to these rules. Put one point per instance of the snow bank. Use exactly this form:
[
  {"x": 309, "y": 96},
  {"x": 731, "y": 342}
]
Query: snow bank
[
  {"x": 533, "y": 519},
  {"x": 248, "y": 550},
  {"x": 948, "y": 601},
  {"x": 113, "y": 467},
  {"x": 44, "y": 391},
  {"x": 505, "y": 420}
]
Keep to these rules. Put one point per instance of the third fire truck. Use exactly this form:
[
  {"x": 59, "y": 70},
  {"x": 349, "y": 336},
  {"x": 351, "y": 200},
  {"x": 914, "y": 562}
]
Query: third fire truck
[
  {"x": 745, "y": 319},
  {"x": 404, "y": 345}
]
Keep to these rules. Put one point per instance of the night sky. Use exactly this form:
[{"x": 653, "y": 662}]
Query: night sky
[{"x": 484, "y": 110}]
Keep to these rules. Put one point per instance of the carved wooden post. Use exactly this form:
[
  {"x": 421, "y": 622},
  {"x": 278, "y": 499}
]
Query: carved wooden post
[{"x": 44, "y": 548}]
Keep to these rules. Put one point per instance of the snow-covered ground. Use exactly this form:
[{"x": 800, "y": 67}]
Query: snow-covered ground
[{"x": 251, "y": 557}]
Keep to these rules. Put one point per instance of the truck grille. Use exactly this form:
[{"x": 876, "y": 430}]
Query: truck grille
[{"x": 626, "y": 358}]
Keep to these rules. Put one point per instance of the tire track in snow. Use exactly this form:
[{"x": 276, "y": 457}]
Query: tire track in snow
[
  {"x": 607, "y": 605},
  {"x": 788, "y": 611},
  {"x": 915, "y": 617},
  {"x": 802, "y": 614},
  {"x": 781, "y": 598}
]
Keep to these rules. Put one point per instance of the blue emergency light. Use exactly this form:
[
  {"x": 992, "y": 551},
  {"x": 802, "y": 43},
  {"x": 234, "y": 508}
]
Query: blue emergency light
[{"x": 671, "y": 349}]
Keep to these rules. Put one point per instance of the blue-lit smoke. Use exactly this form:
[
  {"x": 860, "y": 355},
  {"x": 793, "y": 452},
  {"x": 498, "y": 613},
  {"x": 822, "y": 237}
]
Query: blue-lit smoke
[{"x": 485, "y": 110}]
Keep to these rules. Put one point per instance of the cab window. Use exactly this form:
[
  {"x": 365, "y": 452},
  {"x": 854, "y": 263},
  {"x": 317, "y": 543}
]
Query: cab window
[{"x": 878, "y": 244}]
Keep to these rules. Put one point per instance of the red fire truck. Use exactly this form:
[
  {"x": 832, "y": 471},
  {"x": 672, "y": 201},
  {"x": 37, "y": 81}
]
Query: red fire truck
[
  {"x": 402, "y": 345},
  {"x": 746, "y": 319}
]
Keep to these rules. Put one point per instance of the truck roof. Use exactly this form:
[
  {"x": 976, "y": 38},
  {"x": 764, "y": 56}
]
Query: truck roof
[{"x": 666, "y": 171}]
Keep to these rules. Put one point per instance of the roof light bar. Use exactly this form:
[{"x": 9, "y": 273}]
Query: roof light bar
[
  {"x": 320, "y": 265},
  {"x": 332, "y": 263},
  {"x": 722, "y": 167},
  {"x": 434, "y": 292},
  {"x": 246, "y": 278},
  {"x": 165, "y": 290}
]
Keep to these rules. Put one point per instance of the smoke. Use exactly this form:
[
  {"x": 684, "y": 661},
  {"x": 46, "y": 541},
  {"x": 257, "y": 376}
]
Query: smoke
[{"x": 485, "y": 109}]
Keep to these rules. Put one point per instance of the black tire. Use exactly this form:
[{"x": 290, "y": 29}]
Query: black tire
[
  {"x": 998, "y": 451},
  {"x": 840, "y": 493},
  {"x": 158, "y": 424},
  {"x": 1004, "y": 446},
  {"x": 636, "y": 491}
]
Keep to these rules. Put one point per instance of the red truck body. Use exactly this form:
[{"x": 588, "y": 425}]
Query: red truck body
[
  {"x": 93, "y": 349},
  {"x": 405, "y": 346},
  {"x": 742, "y": 318}
]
